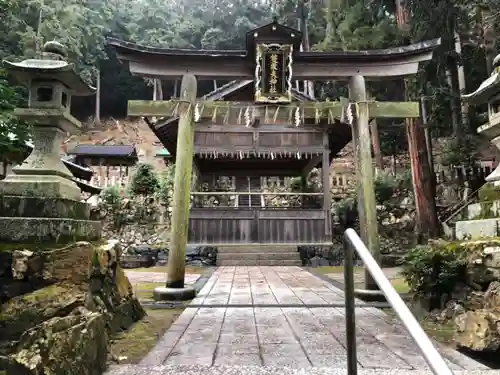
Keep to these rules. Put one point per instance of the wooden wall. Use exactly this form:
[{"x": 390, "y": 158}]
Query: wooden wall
[
  {"x": 245, "y": 226},
  {"x": 271, "y": 138}
]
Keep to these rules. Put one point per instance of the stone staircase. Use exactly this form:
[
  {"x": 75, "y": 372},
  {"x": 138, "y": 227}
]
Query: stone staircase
[{"x": 258, "y": 255}]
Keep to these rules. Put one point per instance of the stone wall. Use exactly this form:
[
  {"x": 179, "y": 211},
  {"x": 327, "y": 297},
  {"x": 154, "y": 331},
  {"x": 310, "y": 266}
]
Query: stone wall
[
  {"x": 135, "y": 222},
  {"x": 136, "y": 234},
  {"x": 395, "y": 241},
  {"x": 396, "y": 234}
]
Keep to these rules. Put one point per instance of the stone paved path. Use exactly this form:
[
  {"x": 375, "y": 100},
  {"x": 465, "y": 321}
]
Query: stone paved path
[{"x": 282, "y": 335}]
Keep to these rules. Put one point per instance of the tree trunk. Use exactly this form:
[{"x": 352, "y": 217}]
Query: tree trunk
[
  {"x": 377, "y": 153},
  {"x": 402, "y": 15},
  {"x": 38, "y": 40},
  {"x": 428, "y": 139},
  {"x": 308, "y": 85},
  {"x": 393, "y": 164},
  {"x": 427, "y": 225},
  {"x": 461, "y": 80},
  {"x": 426, "y": 222},
  {"x": 455, "y": 112},
  {"x": 428, "y": 145},
  {"x": 489, "y": 37},
  {"x": 97, "y": 117}
]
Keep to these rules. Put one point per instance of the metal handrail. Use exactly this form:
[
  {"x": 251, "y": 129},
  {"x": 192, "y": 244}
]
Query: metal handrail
[{"x": 353, "y": 242}]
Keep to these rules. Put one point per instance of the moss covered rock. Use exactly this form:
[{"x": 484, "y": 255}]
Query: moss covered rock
[
  {"x": 75, "y": 344},
  {"x": 63, "y": 328},
  {"x": 483, "y": 262}
]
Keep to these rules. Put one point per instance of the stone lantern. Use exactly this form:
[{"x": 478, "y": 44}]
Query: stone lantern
[
  {"x": 41, "y": 191},
  {"x": 489, "y": 92}
]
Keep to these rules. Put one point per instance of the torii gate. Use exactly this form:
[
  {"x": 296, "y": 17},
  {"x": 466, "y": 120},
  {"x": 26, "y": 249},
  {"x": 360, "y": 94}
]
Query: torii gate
[{"x": 273, "y": 60}]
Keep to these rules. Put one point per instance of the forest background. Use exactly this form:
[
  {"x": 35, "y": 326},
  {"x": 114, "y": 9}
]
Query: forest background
[{"x": 468, "y": 30}]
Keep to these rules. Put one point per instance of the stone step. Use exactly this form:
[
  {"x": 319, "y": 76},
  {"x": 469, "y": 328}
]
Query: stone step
[
  {"x": 258, "y": 262},
  {"x": 259, "y": 256},
  {"x": 257, "y": 249},
  {"x": 265, "y": 370}
]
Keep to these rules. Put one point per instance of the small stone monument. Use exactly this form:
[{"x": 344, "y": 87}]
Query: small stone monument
[
  {"x": 39, "y": 201},
  {"x": 489, "y": 92}
]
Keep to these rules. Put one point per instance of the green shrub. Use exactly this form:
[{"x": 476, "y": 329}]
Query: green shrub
[
  {"x": 166, "y": 184},
  {"x": 111, "y": 195},
  {"x": 144, "y": 181},
  {"x": 432, "y": 271},
  {"x": 460, "y": 151},
  {"x": 347, "y": 211},
  {"x": 384, "y": 185},
  {"x": 404, "y": 180},
  {"x": 489, "y": 193}
]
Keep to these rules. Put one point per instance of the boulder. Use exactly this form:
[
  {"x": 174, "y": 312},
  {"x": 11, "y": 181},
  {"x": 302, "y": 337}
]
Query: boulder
[
  {"x": 63, "y": 328},
  {"x": 477, "y": 330},
  {"x": 492, "y": 296},
  {"x": 451, "y": 311},
  {"x": 481, "y": 259},
  {"x": 71, "y": 345},
  {"x": 129, "y": 261}
]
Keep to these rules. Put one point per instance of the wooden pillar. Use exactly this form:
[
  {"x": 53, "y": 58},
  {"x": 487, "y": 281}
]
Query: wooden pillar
[
  {"x": 182, "y": 185},
  {"x": 327, "y": 195},
  {"x": 101, "y": 174},
  {"x": 366, "y": 194},
  {"x": 303, "y": 188}
]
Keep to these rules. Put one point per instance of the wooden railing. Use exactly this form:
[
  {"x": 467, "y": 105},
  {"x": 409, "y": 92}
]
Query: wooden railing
[
  {"x": 103, "y": 181},
  {"x": 300, "y": 198}
]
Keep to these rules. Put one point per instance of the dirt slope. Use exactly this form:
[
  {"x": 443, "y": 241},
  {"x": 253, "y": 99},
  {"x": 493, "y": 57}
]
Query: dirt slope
[{"x": 122, "y": 131}]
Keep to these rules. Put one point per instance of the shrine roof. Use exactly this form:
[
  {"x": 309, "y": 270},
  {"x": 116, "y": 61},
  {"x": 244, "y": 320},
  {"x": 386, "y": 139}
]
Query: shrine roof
[
  {"x": 78, "y": 171},
  {"x": 373, "y": 54},
  {"x": 164, "y": 153},
  {"x": 105, "y": 151},
  {"x": 131, "y": 49},
  {"x": 135, "y": 47},
  {"x": 486, "y": 91},
  {"x": 167, "y": 63}
]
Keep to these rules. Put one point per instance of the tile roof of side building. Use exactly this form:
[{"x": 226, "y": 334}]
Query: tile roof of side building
[{"x": 104, "y": 150}]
